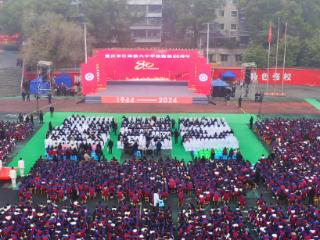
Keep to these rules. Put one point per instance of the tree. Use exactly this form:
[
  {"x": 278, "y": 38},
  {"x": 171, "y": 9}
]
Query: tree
[
  {"x": 109, "y": 22},
  {"x": 52, "y": 29},
  {"x": 190, "y": 18},
  {"x": 303, "y": 19},
  {"x": 53, "y": 38},
  {"x": 310, "y": 55},
  {"x": 13, "y": 13},
  {"x": 256, "y": 53}
]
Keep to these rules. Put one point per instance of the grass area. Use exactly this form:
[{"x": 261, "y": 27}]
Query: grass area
[
  {"x": 313, "y": 102},
  {"x": 250, "y": 145}
]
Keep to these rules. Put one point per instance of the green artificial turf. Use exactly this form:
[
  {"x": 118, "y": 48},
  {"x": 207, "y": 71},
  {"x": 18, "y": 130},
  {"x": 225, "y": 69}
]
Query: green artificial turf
[
  {"x": 313, "y": 102},
  {"x": 250, "y": 145}
]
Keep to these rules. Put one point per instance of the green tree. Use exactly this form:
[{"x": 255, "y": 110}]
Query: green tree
[
  {"x": 256, "y": 53},
  {"x": 303, "y": 19},
  {"x": 190, "y": 18},
  {"x": 310, "y": 55},
  {"x": 13, "y": 13},
  {"x": 53, "y": 39},
  {"x": 109, "y": 22}
]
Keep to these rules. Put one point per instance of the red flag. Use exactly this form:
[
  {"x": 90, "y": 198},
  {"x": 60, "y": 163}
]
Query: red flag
[{"x": 270, "y": 34}]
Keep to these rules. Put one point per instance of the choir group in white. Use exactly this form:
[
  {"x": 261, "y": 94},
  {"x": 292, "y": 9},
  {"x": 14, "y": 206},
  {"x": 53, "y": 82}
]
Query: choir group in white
[
  {"x": 146, "y": 132},
  {"x": 77, "y": 130},
  {"x": 206, "y": 133}
]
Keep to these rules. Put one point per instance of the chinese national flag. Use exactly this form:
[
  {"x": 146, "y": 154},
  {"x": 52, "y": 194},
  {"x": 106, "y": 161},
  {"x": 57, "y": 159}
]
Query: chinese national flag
[{"x": 270, "y": 34}]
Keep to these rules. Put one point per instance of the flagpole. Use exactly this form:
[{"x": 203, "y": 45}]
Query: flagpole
[
  {"x": 269, "y": 41},
  {"x": 284, "y": 56},
  {"x": 268, "y": 67},
  {"x": 277, "y": 51},
  {"x": 208, "y": 39}
]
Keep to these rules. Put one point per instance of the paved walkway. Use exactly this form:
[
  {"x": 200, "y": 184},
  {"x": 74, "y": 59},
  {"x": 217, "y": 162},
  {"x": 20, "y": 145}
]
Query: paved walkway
[{"x": 73, "y": 105}]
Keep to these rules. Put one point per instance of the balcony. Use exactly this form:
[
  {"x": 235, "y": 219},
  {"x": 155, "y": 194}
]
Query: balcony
[
  {"x": 147, "y": 23},
  {"x": 145, "y": 27},
  {"x": 154, "y": 14},
  {"x": 147, "y": 39},
  {"x": 144, "y": 2}
]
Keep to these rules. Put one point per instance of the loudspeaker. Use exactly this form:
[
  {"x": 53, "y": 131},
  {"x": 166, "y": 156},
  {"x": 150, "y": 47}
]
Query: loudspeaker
[{"x": 247, "y": 78}]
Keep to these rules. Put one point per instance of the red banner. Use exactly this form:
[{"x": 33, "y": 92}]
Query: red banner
[
  {"x": 160, "y": 100},
  {"x": 146, "y": 65},
  {"x": 6, "y": 39},
  {"x": 290, "y": 76}
]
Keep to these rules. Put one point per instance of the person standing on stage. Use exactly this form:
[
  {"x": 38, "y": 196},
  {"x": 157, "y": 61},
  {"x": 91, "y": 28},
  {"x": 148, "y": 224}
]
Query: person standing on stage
[
  {"x": 13, "y": 176},
  {"x": 21, "y": 167}
]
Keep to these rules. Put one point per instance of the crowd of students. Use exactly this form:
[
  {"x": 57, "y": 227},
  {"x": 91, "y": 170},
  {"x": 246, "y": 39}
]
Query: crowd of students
[
  {"x": 295, "y": 222},
  {"x": 216, "y": 223},
  {"x": 143, "y": 133},
  {"x": 76, "y": 130},
  {"x": 134, "y": 180},
  {"x": 78, "y": 137},
  {"x": 10, "y": 133},
  {"x": 76, "y": 221},
  {"x": 137, "y": 180},
  {"x": 291, "y": 172},
  {"x": 221, "y": 180},
  {"x": 203, "y": 133}
]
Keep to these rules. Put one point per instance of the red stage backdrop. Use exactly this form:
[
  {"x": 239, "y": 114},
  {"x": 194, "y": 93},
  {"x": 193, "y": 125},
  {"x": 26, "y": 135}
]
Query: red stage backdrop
[
  {"x": 146, "y": 65},
  {"x": 291, "y": 76}
]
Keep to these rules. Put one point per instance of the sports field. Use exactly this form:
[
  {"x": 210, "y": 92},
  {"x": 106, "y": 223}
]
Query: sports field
[{"x": 250, "y": 145}]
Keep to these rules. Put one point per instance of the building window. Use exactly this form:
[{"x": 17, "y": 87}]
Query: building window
[
  {"x": 233, "y": 26},
  {"x": 154, "y": 33},
  {"x": 224, "y": 57},
  {"x": 154, "y": 21},
  {"x": 221, "y": 13},
  {"x": 139, "y": 33},
  {"x": 234, "y": 13},
  {"x": 238, "y": 58},
  {"x": 221, "y": 26},
  {"x": 155, "y": 8}
]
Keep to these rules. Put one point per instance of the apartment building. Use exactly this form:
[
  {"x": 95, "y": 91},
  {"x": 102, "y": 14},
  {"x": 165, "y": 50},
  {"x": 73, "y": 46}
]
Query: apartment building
[
  {"x": 228, "y": 37},
  {"x": 146, "y": 29}
]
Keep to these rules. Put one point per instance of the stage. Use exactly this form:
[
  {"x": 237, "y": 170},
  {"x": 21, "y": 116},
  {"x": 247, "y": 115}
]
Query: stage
[
  {"x": 4, "y": 174},
  {"x": 166, "y": 92}
]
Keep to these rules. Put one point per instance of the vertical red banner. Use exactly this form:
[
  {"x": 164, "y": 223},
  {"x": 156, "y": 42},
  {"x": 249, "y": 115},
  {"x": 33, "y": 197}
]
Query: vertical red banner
[{"x": 89, "y": 76}]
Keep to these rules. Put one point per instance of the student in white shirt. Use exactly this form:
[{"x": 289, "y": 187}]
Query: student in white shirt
[
  {"x": 156, "y": 199},
  {"x": 21, "y": 167},
  {"x": 13, "y": 176}
]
